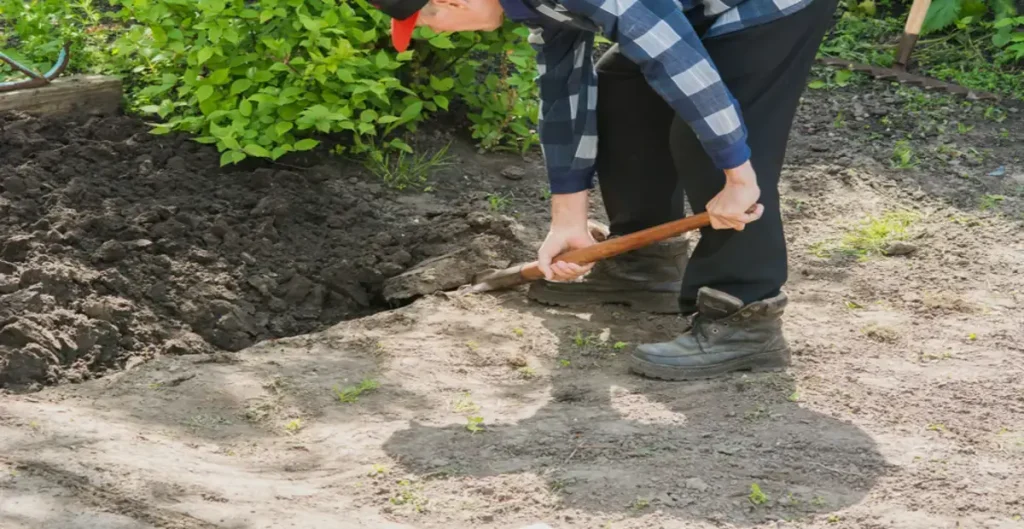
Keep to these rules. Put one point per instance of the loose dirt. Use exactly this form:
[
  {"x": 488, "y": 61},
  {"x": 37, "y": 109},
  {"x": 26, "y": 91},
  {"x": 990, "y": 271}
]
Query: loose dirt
[{"x": 904, "y": 408}]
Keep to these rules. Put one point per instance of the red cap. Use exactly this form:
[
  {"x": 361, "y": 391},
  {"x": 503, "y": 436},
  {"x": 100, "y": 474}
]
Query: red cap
[{"x": 401, "y": 31}]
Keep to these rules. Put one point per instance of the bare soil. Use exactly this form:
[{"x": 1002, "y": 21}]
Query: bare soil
[{"x": 268, "y": 383}]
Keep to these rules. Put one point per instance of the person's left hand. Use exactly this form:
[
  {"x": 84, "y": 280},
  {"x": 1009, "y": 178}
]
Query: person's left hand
[{"x": 736, "y": 205}]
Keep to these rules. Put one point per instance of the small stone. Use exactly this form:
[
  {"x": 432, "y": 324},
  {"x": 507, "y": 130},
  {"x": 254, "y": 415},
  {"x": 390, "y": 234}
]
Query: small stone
[
  {"x": 186, "y": 343},
  {"x": 899, "y": 248},
  {"x": 401, "y": 258},
  {"x": 177, "y": 163},
  {"x": 14, "y": 185},
  {"x": 697, "y": 484},
  {"x": 203, "y": 256},
  {"x": 158, "y": 292},
  {"x": 140, "y": 244},
  {"x": 16, "y": 248},
  {"x": 820, "y": 147},
  {"x": 8, "y": 284},
  {"x": 513, "y": 173},
  {"x": 7, "y": 268},
  {"x": 297, "y": 289},
  {"x": 247, "y": 259},
  {"x": 111, "y": 251}
]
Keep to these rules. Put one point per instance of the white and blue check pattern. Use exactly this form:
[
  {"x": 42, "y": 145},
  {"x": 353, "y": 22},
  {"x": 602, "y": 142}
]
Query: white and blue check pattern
[{"x": 657, "y": 36}]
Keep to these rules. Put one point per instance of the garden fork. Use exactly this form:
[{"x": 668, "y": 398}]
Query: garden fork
[{"x": 35, "y": 79}]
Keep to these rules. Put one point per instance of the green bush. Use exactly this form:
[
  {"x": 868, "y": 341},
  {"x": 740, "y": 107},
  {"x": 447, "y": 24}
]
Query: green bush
[{"x": 263, "y": 79}]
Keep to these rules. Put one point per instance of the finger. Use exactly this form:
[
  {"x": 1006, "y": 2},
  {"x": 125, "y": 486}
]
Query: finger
[
  {"x": 564, "y": 270},
  {"x": 544, "y": 263}
]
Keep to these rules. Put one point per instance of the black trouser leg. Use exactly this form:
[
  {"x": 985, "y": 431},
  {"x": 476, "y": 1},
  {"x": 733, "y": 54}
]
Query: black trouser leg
[
  {"x": 635, "y": 169},
  {"x": 766, "y": 68}
]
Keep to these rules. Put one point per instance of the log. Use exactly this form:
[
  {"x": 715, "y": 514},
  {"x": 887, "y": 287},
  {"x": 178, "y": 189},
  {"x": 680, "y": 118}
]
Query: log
[{"x": 94, "y": 95}]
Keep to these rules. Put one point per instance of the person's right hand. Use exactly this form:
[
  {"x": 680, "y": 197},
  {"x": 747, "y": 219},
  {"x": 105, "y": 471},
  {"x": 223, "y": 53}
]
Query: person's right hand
[
  {"x": 558, "y": 241},
  {"x": 569, "y": 231}
]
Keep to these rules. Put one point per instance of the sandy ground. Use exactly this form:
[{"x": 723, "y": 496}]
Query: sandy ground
[{"x": 904, "y": 407}]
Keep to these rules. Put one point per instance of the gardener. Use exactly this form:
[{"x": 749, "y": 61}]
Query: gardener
[{"x": 696, "y": 97}]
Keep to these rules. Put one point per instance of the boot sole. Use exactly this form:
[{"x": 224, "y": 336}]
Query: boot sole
[
  {"x": 653, "y": 302},
  {"x": 770, "y": 362}
]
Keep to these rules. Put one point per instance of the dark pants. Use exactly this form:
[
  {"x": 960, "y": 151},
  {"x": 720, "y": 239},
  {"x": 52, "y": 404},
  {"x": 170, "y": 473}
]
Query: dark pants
[{"x": 648, "y": 156}]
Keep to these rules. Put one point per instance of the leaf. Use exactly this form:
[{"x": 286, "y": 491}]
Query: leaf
[
  {"x": 941, "y": 14},
  {"x": 283, "y": 127},
  {"x": 441, "y": 101},
  {"x": 256, "y": 150},
  {"x": 411, "y": 111},
  {"x": 306, "y": 144},
  {"x": 245, "y": 108},
  {"x": 220, "y": 76},
  {"x": 230, "y": 157},
  {"x": 816, "y": 84},
  {"x": 278, "y": 152},
  {"x": 442, "y": 42},
  {"x": 204, "y": 93},
  {"x": 204, "y": 55},
  {"x": 843, "y": 77},
  {"x": 240, "y": 86},
  {"x": 442, "y": 85}
]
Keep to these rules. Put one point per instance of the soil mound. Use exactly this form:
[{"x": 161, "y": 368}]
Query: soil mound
[{"x": 116, "y": 244}]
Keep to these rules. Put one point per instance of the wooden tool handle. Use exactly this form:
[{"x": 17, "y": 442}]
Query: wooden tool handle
[
  {"x": 918, "y": 12},
  {"x": 619, "y": 245}
]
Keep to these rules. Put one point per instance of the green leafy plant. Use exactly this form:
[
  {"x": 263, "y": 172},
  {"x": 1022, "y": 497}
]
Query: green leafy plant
[{"x": 264, "y": 80}]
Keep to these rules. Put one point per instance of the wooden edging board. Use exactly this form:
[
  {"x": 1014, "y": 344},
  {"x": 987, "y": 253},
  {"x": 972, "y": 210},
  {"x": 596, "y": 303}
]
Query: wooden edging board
[{"x": 75, "y": 94}]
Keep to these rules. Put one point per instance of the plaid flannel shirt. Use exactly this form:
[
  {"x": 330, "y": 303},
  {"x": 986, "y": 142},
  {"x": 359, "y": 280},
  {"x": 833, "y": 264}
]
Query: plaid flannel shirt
[{"x": 658, "y": 36}]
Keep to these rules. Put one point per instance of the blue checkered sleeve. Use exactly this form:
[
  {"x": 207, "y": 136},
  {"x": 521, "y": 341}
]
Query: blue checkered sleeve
[
  {"x": 657, "y": 36},
  {"x": 568, "y": 105}
]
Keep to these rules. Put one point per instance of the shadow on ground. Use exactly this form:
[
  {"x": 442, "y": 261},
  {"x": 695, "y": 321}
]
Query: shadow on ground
[{"x": 737, "y": 450}]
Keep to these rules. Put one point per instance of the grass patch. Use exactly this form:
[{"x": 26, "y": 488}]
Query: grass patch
[
  {"x": 870, "y": 237},
  {"x": 405, "y": 170},
  {"x": 351, "y": 394}
]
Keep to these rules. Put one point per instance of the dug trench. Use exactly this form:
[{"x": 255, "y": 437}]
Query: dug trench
[{"x": 117, "y": 246}]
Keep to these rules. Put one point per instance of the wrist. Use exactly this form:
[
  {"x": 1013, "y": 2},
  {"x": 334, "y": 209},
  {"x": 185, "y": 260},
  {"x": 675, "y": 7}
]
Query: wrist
[
  {"x": 569, "y": 210},
  {"x": 742, "y": 175}
]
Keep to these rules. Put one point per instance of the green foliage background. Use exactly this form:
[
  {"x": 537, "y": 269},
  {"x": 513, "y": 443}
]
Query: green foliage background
[{"x": 269, "y": 77}]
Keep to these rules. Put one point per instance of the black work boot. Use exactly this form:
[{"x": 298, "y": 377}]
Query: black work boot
[
  {"x": 723, "y": 336},
  {"x": 646, "y": 279}
]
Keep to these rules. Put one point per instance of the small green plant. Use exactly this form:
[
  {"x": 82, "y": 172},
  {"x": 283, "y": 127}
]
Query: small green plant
[
  {"x": 351, "y": 394},
  {"x": 293, "y": 426},
  {"x": 409, "y": 493},
  {"x": 378, "y": 470},
  {"x": 794, "y": 397},
  {"x": 834, "y": 518},
  {"x": 840, "y": 121},
  {"x": 406, "y": 170},
  {"x": 640, "y": 504},
  {"x": 475, "y": 424},
  {"x": 972, "y": 337},
  {"x": 464, "y": 404},
  {"x": 564, "y": 362},
  {"x": 498, "y": 202},
  {"x": 618, "y": 346},
  {"x": 518, "y": 331},
  {"x": 988, "y": 202},
  {"x": 757, "y": 497},
  {"x": 963, "y": 128},
  {"x": 527, "y": 372},
  {"x": 937, "y": 427},
  {"x": 871, "y": 237},
  {"x": 903, "y": 156}
]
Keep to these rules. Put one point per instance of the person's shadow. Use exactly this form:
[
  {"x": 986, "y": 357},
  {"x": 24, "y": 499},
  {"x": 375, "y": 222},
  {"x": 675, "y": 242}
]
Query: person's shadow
[{"x": 608, "y": 443}]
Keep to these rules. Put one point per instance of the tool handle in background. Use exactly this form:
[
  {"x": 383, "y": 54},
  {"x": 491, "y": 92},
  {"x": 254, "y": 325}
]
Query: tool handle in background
[{"x": 619, "y": 245}]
